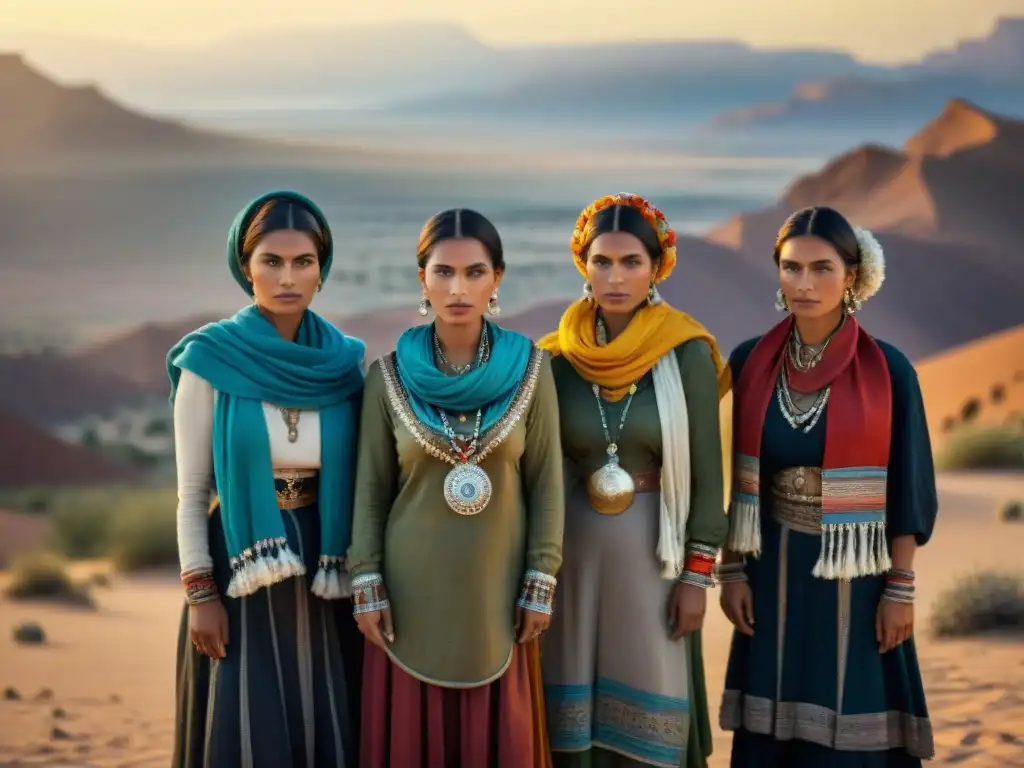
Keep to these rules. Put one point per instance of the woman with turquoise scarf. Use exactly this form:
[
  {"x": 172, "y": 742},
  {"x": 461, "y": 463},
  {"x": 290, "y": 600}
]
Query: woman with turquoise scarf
[
  {"x": 265, "y": 417},
  {"x": 457, "y": 532}
]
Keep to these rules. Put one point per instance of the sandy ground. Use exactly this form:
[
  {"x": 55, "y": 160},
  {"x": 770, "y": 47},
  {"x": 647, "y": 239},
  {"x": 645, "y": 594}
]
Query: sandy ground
[{"x": 101, "y": 693}]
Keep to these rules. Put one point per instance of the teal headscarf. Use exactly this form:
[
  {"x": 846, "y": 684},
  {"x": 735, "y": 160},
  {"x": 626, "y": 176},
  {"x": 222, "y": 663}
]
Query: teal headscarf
[
  {"x": 491, "y": 386},
  {"x": 247, "y": 362}
]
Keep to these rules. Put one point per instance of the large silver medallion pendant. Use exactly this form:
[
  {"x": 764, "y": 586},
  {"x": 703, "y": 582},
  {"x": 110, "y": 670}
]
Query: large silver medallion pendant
[
  {"x": 467, "y": 489},
  {"x": 611, "y": 488}
]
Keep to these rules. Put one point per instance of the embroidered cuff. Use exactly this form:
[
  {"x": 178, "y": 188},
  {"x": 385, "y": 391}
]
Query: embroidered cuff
[
  {"x": 899, "y": 586},
  {"x": 199, "y": 587},
  {"x": 368, "y": 593},
  {"x": 699, "y": 566},
  {"x": 731, "y": 573},
  {"x": 538, "y": 592}
]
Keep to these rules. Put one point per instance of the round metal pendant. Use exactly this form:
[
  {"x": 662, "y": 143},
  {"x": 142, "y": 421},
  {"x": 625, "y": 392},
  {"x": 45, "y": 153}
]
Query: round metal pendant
[
  {"x": 611, "y": 489},
  {"x": 467, "y": 489}
]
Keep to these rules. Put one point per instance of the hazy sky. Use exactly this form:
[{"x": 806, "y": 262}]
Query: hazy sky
[{"x": 877, "y": 30}]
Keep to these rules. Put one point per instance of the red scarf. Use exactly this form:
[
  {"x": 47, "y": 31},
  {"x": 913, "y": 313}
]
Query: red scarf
[{"x": 858, "y": 422}]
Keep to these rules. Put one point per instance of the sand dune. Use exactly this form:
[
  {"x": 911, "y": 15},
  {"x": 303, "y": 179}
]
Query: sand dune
[
  {"x": 988, "y": 372},
  {"x": 83, "y": 702}
]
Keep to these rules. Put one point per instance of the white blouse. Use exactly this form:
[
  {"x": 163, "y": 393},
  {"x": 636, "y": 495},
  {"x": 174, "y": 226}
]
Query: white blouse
[{"x": 193, "y": 449}]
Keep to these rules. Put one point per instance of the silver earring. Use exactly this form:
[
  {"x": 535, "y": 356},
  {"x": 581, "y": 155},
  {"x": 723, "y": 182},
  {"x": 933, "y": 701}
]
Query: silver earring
[
  {"x": 653, "y": 297},
  {"x": 588, "y": 292},
  {"x": 493, "y": 308},
  {"x": 850, "y": 303},
  {"x": 780, "y": 301},
  {"x": 424, "y": 303}
]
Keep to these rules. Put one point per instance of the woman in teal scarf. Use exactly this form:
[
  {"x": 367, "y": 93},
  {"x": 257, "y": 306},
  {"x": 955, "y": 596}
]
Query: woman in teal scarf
[
  {"x": 457, "y": 533},
  {"x": 266, "y": 418}
]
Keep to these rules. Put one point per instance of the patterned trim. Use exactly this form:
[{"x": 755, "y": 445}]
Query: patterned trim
[
  {"x": 538, "y": 593},
  {"x": 853, "y": 541},
  {"x": 745, "y": 506},
  {"x": 789, "y": 720},
  {"x": 435, "y": 444},
  {"x": 646, "y": 727},
  {"x": 200, "y": 587}
]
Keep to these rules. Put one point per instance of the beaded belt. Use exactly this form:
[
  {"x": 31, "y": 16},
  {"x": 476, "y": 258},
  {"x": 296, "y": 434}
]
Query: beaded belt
[
  {"x": 796, "y": 499},
  {"x": 644, "y": 482},
  {"x": 296, "y": 488}
]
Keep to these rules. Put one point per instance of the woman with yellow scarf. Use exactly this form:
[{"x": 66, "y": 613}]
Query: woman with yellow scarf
[{"x": 639, "y": 385}]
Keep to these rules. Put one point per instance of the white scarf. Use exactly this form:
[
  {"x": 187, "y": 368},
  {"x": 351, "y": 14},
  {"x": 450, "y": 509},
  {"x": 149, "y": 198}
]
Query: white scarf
[{"x": 675, "y": 465}]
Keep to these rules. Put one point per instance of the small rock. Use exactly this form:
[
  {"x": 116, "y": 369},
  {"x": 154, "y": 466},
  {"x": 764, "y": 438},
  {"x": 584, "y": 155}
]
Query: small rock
[
  {"x": 100, "y": 579},
  {"x": 115, "y": 699},
  {"x": 11, "y": 694},
  {"x": 44, "y": 695},
  {"x": 29, "y": 633},
  {"x": 59, "y": 733},
  {"x": 118, "y": 742},
  {"x": 59, "y": 713}
]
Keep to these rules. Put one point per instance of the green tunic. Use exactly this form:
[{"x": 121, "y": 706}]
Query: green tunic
[
  {"x": 639, "y": 450},
  {"x": 453, "y": 580}
]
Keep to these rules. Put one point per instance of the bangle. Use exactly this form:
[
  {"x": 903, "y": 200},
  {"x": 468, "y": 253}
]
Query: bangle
[
  {"x": 199, "y": 587},
  {"x": 538, "y": 593},
  {"x": 368, "y": 594},
  {"x": 732, "y": 573},
  {"x": 899, "y": 586},
  {"x": 699, "y": 566}
]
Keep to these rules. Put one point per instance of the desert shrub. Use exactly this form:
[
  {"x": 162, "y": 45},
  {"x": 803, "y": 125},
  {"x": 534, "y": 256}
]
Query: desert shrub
[
  {"x": 991, "y": 448},
  {"x": 44, "y": 576},
  {"x": 1015, "y": 421},
  {"x": 970, "y": 409},
  {"x": 143, "y": 532},
  {"x": 985, "y": 601},
  {"x": 997, "y": 393},
  {"x": 1012, "y": 511}
]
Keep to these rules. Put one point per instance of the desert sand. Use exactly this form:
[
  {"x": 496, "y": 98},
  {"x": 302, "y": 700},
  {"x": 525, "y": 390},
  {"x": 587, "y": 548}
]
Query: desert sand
[{"x": 101, "y": 692}]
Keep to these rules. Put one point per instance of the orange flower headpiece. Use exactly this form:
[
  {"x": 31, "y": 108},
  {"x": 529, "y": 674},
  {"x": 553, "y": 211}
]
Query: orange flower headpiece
[{"x": 654, "y": 217}]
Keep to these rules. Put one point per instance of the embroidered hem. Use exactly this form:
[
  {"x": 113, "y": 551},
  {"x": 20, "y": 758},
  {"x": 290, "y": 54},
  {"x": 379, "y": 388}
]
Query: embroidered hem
[
  {"x": 797, "y": 720},
  {"x": 262, "y": 566}
]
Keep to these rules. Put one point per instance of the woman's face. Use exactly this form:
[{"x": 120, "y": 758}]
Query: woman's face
[
  {"x": 285, "y": 272},
  {"x": 812, "y": 276},
  {"x": 619, "y": 272},
  {"x": 458, "y": 280}
]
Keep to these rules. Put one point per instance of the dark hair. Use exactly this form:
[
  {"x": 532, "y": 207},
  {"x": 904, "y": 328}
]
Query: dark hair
[
  {"x": 284, "y": 214},
  {"x": 459, "y": 223},
  {"x": 622, "y": 218},
  {"x": 826, "y": 223}
]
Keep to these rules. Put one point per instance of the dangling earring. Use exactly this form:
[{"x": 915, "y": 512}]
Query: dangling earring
[
  {"x": 492, "y": 305},
  {"x": 850, "y": 303},
  {"x": 424, "y": 303},
  {"x": 319, "y": 285},
  {"x": 653, "y": 297},
  {"x": 588, "y": 292},
  {"x": 780, "y": 301}
]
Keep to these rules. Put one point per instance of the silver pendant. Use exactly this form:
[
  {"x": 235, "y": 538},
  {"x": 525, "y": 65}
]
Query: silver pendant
[
  {"x": 467, "y": 489},
  {"x": 611, "y": 488}
]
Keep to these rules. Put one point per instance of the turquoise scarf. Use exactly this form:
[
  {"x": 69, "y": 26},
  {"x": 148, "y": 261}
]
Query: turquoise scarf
[
  {"x": 247, "y": 361},
  {"x": 492, "y": 386}
]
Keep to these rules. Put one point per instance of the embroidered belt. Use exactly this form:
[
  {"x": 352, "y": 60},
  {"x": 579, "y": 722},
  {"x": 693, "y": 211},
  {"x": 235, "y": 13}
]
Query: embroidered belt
[
  {"x": 645, "y": 482},
  {"x": 796, "y": 499},
  {"x": 296, "y": 488}
]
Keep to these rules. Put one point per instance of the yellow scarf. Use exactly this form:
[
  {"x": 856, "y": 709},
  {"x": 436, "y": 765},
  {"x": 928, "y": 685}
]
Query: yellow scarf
[{"x": 654, "y": 331}]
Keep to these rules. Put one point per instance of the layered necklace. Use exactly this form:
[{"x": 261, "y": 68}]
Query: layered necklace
[
  {"x": 611, "y": 488},
  {"x": 467, "y": 488},
  {"x": 802, "y": 410}
]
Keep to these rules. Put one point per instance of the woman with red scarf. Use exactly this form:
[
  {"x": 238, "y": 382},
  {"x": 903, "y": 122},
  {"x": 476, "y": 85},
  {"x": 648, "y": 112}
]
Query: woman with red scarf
[{"x": 833, "y": 491}]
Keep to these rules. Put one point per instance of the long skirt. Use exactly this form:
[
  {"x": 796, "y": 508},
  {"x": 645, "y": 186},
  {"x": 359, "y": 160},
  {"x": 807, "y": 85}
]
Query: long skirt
[
  {"x": 407, "y": 723},
  {"x": 286, "y": 693},
  {"x": 619, "y": 691},
  {"x": 810, "y": 688}
]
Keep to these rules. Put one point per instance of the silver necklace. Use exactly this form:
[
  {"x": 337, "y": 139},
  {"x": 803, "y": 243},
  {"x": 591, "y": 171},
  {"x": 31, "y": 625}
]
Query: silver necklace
[
  {"x": 467, "y": 488},
  {"x": 482, "y": 352},
  {"x": 611, "y": 488}
]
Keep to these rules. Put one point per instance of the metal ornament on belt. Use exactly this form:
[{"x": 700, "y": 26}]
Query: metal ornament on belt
[
  {"x": 611, "y": 487},
  {"x": 467, "y": 489}
]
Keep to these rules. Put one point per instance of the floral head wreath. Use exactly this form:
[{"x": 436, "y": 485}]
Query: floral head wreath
[
  {"x": 654, "y": 217},
  {"x": 871, "y": 272}
]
